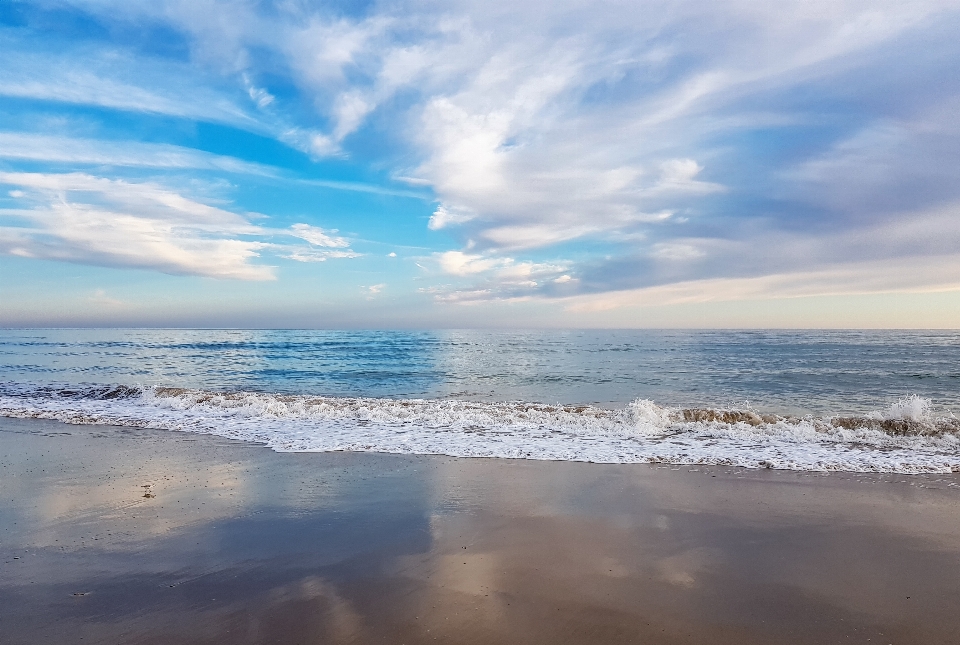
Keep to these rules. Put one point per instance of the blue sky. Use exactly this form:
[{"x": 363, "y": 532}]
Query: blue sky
[{"x": 432, "y": 164}]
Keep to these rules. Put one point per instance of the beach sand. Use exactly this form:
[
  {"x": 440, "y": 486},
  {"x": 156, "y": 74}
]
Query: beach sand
[{"x": 114, "y": 535}]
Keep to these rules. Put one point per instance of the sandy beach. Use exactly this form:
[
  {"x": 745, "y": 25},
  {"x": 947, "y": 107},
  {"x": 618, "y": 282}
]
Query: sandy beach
[{"x": 119, "y": 535}]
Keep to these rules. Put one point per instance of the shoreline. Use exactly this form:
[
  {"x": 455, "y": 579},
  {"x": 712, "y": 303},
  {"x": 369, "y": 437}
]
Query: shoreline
[{"x": 119, "y": 534}]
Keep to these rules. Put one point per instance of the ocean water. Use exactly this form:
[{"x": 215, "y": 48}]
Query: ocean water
[{"x": 882, "y": 401}]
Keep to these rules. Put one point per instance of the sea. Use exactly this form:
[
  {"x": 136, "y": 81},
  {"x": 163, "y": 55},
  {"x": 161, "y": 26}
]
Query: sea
[{"x": 864, "y": 401}]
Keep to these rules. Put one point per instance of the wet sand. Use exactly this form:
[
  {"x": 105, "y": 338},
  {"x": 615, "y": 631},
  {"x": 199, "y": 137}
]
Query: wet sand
[{"x": 111, "y": 535}]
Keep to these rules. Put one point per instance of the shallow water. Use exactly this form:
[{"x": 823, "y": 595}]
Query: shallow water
[{"x": 808, "y": 400}]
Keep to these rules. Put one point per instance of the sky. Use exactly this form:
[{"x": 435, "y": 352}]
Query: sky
[{"x": 418, "y": 164}]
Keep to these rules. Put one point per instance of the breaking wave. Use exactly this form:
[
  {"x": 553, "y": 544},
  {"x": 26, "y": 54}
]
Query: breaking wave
[{"x": 907, "y": 437}]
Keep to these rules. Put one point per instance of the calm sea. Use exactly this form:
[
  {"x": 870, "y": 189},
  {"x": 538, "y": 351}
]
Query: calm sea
[{"x": 852, "y": 400}]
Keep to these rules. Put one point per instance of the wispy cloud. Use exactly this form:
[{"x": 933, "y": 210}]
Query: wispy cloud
[
  {"x": 494, "y": 277},
  {"x": 903, "y": 275},
  {"x": 652, "y": 142},
  {"x": 101, "y": 299},
  {"x": 359, "y": 187},
  {"x": 301, "y": 254},
  {"x": 78, "y": 151},
  {"x": 105, "y": 78},
  {"x": 82, "y": 218},
  {"x": 318, "y": 236},
  {"x": 68, "y": 150},
  {"x": 324, "y": 245},
  {"x": 374, "y": 290},
  {"x": 444, "y": 217}
]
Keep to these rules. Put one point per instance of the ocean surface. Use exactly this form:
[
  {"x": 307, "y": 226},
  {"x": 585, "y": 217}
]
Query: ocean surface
[{"x": 884, "y": 401}]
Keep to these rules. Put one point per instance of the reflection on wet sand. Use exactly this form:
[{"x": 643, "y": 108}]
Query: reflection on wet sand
[{"x": 244, "y": 545}]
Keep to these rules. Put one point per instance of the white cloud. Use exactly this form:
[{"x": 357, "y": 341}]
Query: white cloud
[
  {"x": 536, "y": 235},
  {"x": 101, "y": 299},
  {"x": 298, "y": 254},
  {"x": 444, "y": 217},
  {"x": 910, "y": 252},
  {"x": 462, "y": 264},
  {"x": 318, "y": 236},
  {"x": 538, "y": 125},
  {"x": 885, "y": 167},
  {"x": 470, "y": 297},
  {"x": 676, "y": 251},
  {"x": 679, "y": 175},
  {"x": 496, "y": 90},
  {"x": 498, "y": 277},
  {"x": 39, "y": 147},
  {"x": 26, "y": 146},
  {"x": 906, "y": 275},
  {"x": 120, "y": 80},
  {"x": 373, "y": 290},
  {"x": 81, "y": 218},
  {"x": 258, "y": 95},
  {"x": 87, "y": 76},
  {"x": 350, "y": 110}
]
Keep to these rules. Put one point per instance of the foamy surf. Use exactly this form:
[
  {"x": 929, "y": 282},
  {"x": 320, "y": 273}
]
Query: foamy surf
[{"x": 906, "y": 437}]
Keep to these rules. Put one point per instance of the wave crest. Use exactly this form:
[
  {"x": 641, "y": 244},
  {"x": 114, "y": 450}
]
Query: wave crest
[{"x": 906, "y": 437}]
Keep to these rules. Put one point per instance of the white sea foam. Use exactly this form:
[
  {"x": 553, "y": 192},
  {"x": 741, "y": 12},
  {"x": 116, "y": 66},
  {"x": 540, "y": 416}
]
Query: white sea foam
[
  {"x": 905, "y": 438},
  {"x": 912, "y": 408}
]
